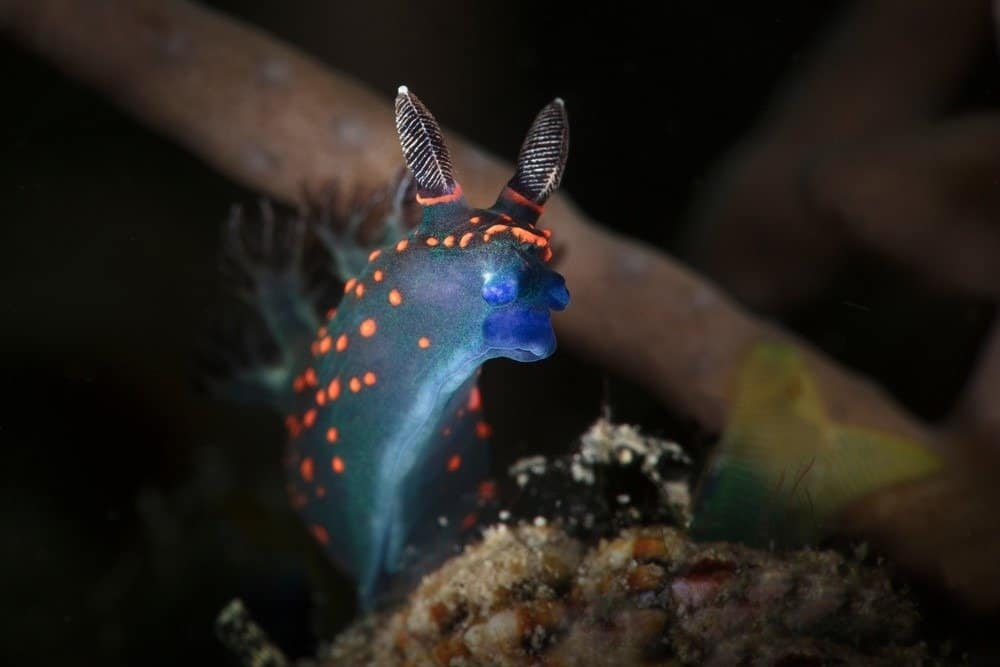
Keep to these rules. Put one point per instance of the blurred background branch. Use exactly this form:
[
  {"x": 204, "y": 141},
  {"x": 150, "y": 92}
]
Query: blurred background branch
[{"x": 888, "y": 68}]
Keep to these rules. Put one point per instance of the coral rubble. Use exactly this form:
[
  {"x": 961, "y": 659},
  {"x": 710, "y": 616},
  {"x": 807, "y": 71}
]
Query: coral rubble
[{"x": 533, "y": 595}]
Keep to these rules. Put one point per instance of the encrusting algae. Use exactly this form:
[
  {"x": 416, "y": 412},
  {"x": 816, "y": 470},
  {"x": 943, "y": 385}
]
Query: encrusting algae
[
  {"x": 533, "y": 595},
  {"x": 589, "y": 591}
]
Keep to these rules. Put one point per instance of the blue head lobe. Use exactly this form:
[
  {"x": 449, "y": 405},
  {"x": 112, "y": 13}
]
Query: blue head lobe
[{"x": 521, "y": 293}]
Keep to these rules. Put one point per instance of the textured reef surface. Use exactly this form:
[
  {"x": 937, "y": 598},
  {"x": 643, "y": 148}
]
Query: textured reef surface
[
  {"x": 604, "y": 574},
  {"x": 533, "y": 595}
]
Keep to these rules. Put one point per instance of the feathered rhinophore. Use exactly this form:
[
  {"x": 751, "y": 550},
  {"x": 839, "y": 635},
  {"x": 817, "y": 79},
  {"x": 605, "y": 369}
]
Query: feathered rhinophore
[
  {"x": 543, "y": 155},
  {"x": 424, "y": 149}
]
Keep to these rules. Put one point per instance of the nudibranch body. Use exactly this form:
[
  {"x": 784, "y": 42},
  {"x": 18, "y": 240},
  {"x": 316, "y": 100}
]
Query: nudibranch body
[{"x": 385, "y": 426}]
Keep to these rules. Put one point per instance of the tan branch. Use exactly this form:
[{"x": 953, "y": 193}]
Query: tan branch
[
  {"x": 978, "y": 410},
  {"x": 888, "y": 67},
  {"x": 926, "y": 198},
  {"x": 887, "y": 64}
]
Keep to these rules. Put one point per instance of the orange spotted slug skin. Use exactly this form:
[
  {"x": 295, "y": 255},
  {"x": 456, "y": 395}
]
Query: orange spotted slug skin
[{"x": 386, "y": 431}]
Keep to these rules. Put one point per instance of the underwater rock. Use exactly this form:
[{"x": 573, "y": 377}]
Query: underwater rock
[
  {"x": 617, "y": 477},
  {"x": 474, "y": 602},
  {"x": 245, "y": 639},
  {"x": 529, "y": 594}
]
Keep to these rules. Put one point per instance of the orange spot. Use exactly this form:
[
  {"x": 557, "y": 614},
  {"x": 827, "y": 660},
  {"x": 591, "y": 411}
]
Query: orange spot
[
  {"x": 454, "y": 463},
  {"x": 355, "y": 385},
  {"x": 332, "y": 313},
  {"x": 446, "y": 431},
  {"x": 474, "y": 219},
  {"x": 367, "y": 328},
  {"x": 460, "y": 412},
  {"x": 342, "y": 343},
  {"x": 497, "y": 229},
  {"x": 395, "y": 298},
  {"x": 337, "y": 464},
  {"x": 525, "y": 236},
  {"x": 359, "y": 291},
  {"x": 373, "y": 255},
  {"x": 349, "y": 285},
  {"x": 321, "y": 333},
  {"x": 378, "y": 275},
  {"x": 449, "y": 241},
  {"x": 547, "y": 233},
  {"x": 486, "y": 237},
  {"x": 401, "y": 246},
  {"x": 324, "y": 345},
  {"x": 369, "y": 378},
  {"x": 333, "y": 389},
  {"x": 475, "y": 399},
  {"x": 299, "y": 383},
  {"x": 310, "y": 377},
  {"x": 487, "y": 491},
  {"x": 431, "y": 241},
  {"x": 547, "y": 255},
  {"x": 332, "y": 434},
  {"x": 292, "y": 424},
  {"x": 443, "y": 199},
  {"x": 320, "y": 491},
  {"x": 483, "y": 430},
  {"x": 321, "y": 398},
  {"x": 319, "y": 532},
  {"x": 315, "y": 348},
  {"x": 466, "y": 237},
  {"x": 469, "y": 520},
  {"x": 504, "y": 216},
  {"x": 424, "y": 342},
  {"x": 307, "y": 469},
  {"x": 309, "y": 418},
  {"x": 519, "y": 234}
]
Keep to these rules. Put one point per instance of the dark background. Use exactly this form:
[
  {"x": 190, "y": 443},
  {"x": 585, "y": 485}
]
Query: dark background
[{"x": 134, "y": 506}]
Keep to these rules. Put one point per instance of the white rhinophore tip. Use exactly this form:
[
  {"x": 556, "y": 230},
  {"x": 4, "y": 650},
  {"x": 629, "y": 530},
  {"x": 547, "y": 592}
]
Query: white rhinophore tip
[
  {"x": 559, "y": 101},
  {"x": 403, "y": 90}
]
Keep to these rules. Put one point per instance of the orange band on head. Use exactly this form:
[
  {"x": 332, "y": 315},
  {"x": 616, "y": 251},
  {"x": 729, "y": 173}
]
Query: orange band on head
[
  {"x": 516, "y": 197},
  {"x": 454, "y": 195}
]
